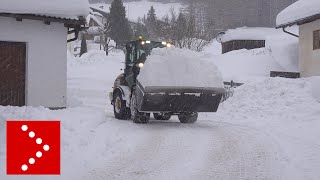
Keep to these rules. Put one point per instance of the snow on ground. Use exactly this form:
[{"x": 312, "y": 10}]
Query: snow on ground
[
  {"x": 268, "y": 130},
  {"x": 284, "y": 111},
  {"x": 138, "y": 9},
  {"x": 179, "y": 67},
  {"x": 316, "y": 88},
  {"x": 298, "y": 11},
  {"x": 214, "y": 48},
  {"x": 280, "y": 54},
  {"x": 58, "y": 8}
]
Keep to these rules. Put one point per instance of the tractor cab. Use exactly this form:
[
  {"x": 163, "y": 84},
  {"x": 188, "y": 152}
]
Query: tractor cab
[{"x": 136, "y": 55}]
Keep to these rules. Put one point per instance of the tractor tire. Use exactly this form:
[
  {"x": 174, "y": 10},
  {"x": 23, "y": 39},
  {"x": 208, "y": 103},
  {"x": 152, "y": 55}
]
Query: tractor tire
[
  {"x": 138, "y": 117},
  {"x": 188, "y": 118},
  {"x": 162, "y": 116},
  {"x": 120, "y": 110}
]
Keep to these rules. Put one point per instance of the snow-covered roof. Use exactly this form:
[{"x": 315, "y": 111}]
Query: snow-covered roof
[
  {"x": 301, "y": 10},
  {"x": 55, "y": 8},
  {"x": 248, "y": 33},
  {"x": 98, "y": 9},
  {"x": 94, "y": 18}
]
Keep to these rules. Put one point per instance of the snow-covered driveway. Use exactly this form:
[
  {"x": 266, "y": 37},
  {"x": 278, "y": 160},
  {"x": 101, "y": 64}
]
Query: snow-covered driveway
[{"x": 208, "y": 149}]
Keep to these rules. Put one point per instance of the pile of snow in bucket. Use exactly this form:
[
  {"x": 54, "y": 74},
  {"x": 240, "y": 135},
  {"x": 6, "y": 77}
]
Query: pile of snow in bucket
[{"x": 179, "y": 67}]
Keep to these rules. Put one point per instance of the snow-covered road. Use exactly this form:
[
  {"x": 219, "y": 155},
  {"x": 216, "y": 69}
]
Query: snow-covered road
[{"x": 207, "y": 150}]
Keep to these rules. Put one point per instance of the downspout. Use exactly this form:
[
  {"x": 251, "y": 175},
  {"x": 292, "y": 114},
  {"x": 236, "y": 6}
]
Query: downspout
[
  {"x": 76, "y": 34},
  {"x": 290, "y": 33}
]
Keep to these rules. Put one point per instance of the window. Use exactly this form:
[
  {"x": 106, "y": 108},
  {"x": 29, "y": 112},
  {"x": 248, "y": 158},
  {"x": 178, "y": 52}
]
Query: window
[{"x": 316, "y": 39}]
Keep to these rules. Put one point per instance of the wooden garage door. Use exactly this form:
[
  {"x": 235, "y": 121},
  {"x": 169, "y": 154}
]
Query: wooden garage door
[{"x": 12, "y": 73}]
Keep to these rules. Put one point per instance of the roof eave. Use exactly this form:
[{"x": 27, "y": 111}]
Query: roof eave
[
  {"x": 68, "y": 22},
  {"x": 300, "y": 21}
]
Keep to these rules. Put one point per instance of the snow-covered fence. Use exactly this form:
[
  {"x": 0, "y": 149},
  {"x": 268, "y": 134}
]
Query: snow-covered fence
[
  {"x": 242, "y": 44},
  {"x": 293, "y": 75},
  {"x": 229, "y": 87}
]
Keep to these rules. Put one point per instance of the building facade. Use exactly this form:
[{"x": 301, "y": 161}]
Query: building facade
[{"x": 33, "y": 60}]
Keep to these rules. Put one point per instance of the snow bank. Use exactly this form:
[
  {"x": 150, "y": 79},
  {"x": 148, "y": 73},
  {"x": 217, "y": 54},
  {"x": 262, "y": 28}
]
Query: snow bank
[
  {"x": 284, "y": 49},
  {"x": 244, "y": 65},
  {"x": 248, "y": 33},
  {"x": 179, "y": 67},
  {"x": 213, "y": 48},
  {"x": 283, "y": 110},
  {"x": 298, "y": 11},
  {"x": 56, "y": 8}
]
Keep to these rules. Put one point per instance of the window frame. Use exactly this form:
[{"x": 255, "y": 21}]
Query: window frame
[{"x": 316, "y": 39}]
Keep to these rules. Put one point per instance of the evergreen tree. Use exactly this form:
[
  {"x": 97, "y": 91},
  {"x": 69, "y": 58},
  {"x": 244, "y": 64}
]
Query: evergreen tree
[
  {"x": 151, "y": 17},
  {"x": 120, "y": 28},
  {"x": 152, "y": 24},
  {"x": 180, "y": 27}
]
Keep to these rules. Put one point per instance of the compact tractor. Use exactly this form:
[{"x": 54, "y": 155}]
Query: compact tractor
[{"x": 131, "y": 99}]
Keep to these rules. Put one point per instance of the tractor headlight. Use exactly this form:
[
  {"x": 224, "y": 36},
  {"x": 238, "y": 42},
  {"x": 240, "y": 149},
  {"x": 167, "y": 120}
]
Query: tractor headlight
[
  {"x": 168, "y": 45},
  {"x": 143, "y": 42},
  {"x": 164, "y": 43},
  {"x": 140, "y": 65},
  {"x": 148, "y": 42}
]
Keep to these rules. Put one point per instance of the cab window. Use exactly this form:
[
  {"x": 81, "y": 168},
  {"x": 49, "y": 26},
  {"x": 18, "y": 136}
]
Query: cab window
[{"x": 131, "y": 56}]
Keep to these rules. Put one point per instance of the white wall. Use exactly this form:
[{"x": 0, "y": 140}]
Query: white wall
[
  {"x": 309, "y": 59},
  {"x": 46, "y": 59}
]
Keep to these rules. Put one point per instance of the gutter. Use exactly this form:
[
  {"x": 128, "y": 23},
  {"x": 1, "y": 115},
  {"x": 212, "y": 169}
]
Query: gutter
[{"x": 290, "y": 33}]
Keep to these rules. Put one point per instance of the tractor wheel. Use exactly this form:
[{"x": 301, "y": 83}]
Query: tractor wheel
[
  {"x": 138, "y": 117},
  {"x": 162, "y": 116},
  {"x": 121, "y": 111},
  {"x": 188, "y": 118}
]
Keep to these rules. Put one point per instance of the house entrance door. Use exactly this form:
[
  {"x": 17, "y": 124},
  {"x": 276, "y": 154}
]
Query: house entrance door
[{"x": 12, "y": 73}]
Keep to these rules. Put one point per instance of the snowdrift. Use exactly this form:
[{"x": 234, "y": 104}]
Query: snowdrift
[
  {"x": 179, "y": 67},
  {"x": 288, "y": 111}
]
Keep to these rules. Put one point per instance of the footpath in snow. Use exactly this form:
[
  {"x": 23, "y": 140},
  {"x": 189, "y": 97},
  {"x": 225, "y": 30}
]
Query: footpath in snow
[{"x": 268, "y": 130}]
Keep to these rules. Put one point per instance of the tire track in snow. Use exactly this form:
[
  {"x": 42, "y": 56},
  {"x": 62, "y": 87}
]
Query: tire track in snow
[
  {"x": 246, "y": 154},
  {"x": 168, "y": 150}
]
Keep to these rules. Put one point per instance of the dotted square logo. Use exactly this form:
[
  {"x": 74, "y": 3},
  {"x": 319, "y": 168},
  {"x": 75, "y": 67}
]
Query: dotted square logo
[{"x": 33, "y": 147}]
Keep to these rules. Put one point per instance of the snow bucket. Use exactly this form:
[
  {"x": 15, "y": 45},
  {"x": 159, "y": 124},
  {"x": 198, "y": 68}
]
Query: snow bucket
[{"x": 178, "y": 99}]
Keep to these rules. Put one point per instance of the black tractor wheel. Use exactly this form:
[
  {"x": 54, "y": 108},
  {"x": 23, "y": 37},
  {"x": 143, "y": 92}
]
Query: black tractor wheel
[
  {"x": 188, "y": 118},
  {"x": 121, "y": 111},
  {"x": 138, "y": 117},
  {"x": 162, "y": 116}
]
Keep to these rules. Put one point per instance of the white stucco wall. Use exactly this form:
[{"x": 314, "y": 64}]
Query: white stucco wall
[
  {"x": 46, "y": 59},
  {"x": 309, "y": 59}
]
